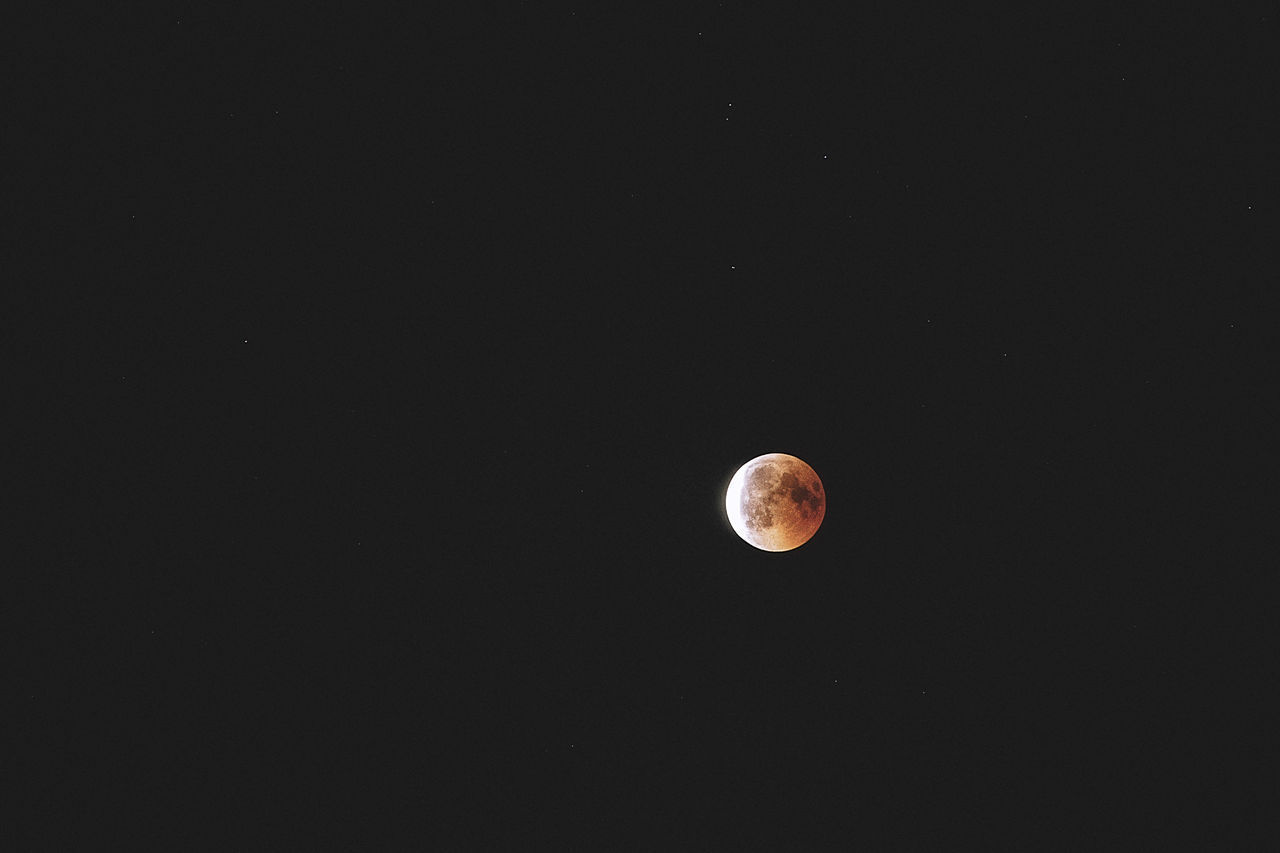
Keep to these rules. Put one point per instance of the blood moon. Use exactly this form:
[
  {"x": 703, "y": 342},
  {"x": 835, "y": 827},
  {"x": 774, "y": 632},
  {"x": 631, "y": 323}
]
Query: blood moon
[{"x": 775, "y": 502}]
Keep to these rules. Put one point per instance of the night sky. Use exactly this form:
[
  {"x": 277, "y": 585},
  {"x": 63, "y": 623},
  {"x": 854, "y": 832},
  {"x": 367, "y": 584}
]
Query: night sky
[{"x": 382, "y": 373}]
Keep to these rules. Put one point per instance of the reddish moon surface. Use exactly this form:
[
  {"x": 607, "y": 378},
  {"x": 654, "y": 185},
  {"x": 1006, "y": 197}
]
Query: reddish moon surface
[{"x": 775, "y": 502}]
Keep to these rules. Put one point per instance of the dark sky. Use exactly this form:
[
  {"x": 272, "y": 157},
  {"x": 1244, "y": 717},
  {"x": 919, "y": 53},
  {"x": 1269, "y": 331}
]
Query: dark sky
[{"x": 389, "y": 370}]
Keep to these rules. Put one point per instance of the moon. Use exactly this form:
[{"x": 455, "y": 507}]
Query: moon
[{"x": 775, "y": 502}]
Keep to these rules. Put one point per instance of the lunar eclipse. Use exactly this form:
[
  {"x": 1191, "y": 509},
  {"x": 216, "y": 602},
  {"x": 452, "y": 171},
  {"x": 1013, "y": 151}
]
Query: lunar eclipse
[{"x": 775, "y": 502}]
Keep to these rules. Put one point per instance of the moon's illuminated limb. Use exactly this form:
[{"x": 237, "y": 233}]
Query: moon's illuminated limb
[{"x": 775, "y": 502}]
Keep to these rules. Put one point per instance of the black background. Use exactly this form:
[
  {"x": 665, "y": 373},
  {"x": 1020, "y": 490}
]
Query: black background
[{"x": 388, "y": 368}]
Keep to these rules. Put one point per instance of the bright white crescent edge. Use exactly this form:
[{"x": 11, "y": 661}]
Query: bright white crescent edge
[{"x": 733, "y": 503}]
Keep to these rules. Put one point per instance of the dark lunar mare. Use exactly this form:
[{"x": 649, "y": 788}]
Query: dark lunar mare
[
  {"x": 765, "y": 487},
  {"x": 807, "y": 501}
]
